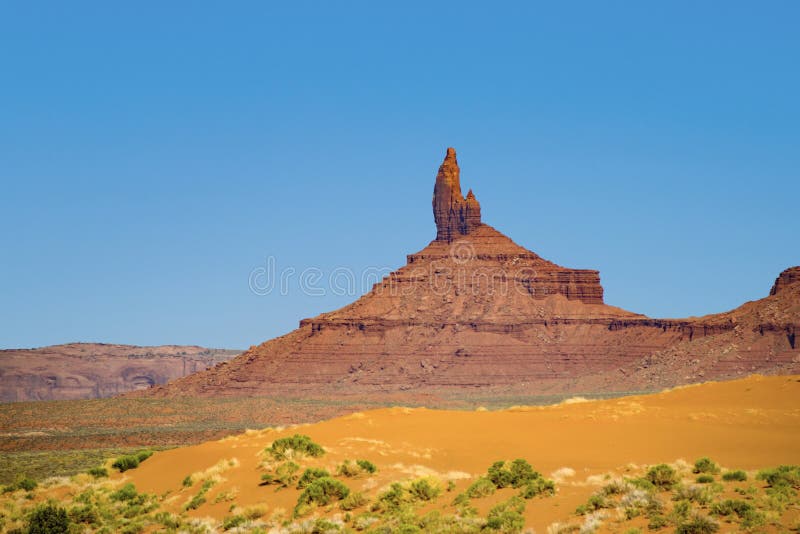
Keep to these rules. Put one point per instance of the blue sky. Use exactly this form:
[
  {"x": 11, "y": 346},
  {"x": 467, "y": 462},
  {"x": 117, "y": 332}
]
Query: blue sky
[{"x": 152, "y": 154}]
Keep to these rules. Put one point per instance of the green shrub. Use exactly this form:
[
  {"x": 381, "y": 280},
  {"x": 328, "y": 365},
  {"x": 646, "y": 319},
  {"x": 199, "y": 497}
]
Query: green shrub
[
  {"x": 348, "y": 469},
  {"x": 124, "y": 463},
  {"x": 353, "y": 501},
  {"x": 451, "y": 485},
  {"x": 48, "y": 519},
  {"x": 522, "y": 473},
  {"x": 662, "y": 476},
  {"x": 168, "y": 520},
  {"x": 595, "y": 502},
  {"x": 738, "y": 476},
  {"x": 697, "y": 525},
  {"x": 705, "y": 465},
  {"x": 515, "y": 475},
  {"x": 22, "y": 483},
  {"x": 143, "y": 455},
  {"x": 783, "y": 475},
  {"x": 507, "y": 516},
  {"x": 25, "y": 483},
  {"x": 462, "y": 499},
  {"x": 323, "y": 526},
  {"x": 538, "y": 486},
  {"x": 641, "y": 483},
  {"x": 616, "y": 487},
  {"x": 297, "y": 445},
  {"x": 483, "y": 487},
  {"x": 702, "y": 495},
  {"x": 322, "y": 491},
  {"x": 84, "y": 514},
  {"x": 310, "y": 475},
  {"x": 125, "y": 493},
  {"x": 131, "y": 461},
  {"x": 132, "y": 528},
  {"x": 187, "y": 482},
  {"x": 757, "y": 519},
  {"x": 284, "y": 476},
  {"x": 705, "y": 479},
  {"x": 657, "y": 522},
  {"x": 391, "y": 499},
  {"x": 196, "y": 501},
  {"x": 98, "y": 472},
  {"x": 360, "y": 467},
  {"x": 732, "y": 506},
  {"x": 423, "y": 490},
  {"x": 367, "y": 466},
  {"x": 233, "y": 521},
  {"x": 680, "y": 512}
]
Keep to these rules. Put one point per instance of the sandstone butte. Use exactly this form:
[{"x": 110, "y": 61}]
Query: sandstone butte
[{"x": 473, "y": 313}]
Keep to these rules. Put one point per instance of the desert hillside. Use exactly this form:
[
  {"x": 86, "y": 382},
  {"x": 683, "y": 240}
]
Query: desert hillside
[
  {"x": 595, "y": 464},
  {"x": 95, "y": 370}
]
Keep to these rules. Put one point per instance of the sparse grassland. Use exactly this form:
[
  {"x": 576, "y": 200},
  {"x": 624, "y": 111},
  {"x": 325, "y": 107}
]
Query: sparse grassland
[{"x": 43, "y": 464}]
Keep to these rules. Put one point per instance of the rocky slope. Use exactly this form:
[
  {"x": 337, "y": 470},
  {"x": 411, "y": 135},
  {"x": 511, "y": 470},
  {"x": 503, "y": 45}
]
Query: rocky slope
[
  {"x": 94, "y": 370},
  {"x": 475, "y": 310}
]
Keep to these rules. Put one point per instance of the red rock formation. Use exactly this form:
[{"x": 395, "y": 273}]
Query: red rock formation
[
  {"x": 455, "y": 215},
  {"x": 785, "y": 279},
  {"x": 94, "y": 370},
  {"x": 475, "y": 310}
]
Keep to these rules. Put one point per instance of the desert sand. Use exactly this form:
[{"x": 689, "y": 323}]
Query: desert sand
[{"x": 746, "y": 424}]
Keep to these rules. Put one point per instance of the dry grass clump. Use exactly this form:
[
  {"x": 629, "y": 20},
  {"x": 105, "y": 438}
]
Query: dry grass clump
[{"x": 355, "y": 469}]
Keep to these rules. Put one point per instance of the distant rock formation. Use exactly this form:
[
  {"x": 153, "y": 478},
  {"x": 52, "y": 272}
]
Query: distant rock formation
[
  {"x": 95, "y": 370},
  {"x": 473, "y": 312}
]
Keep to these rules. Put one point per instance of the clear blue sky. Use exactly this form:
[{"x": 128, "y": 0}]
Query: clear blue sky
[{"x": 152, "y": 154}]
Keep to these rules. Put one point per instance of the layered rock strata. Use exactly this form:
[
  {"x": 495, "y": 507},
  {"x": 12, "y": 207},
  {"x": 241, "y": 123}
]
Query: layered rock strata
[{"x": 786, "y": 279}]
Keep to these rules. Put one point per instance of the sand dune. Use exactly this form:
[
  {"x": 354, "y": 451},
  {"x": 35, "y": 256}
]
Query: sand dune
[{"x": 746, "y": 424}]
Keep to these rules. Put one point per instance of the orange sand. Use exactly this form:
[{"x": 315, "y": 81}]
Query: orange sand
[{"x": 748, "y": 424}]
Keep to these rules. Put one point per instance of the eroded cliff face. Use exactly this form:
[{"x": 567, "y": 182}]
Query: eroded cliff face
[
  {"x": 475, "y": 310},
  {"x": 785, "y": 280},
  {"x": 95, "y": 370}
]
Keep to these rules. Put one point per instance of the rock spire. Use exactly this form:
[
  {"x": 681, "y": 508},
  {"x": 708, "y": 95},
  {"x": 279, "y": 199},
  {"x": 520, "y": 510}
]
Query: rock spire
[{"x": 455, "y": 215}]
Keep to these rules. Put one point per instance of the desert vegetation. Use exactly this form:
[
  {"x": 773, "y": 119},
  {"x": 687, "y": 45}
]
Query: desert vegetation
[
  {"x": 131, "y": 461},
  {"x": 666, "y": 498},
  {"x": 343, "y": 498},
  {"x": 661, "y": 498}
]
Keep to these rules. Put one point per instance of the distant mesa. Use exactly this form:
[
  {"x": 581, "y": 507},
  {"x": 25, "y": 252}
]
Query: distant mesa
[
  {"x": 95, "y": 370},
  {"x": 473, "y": 313}
]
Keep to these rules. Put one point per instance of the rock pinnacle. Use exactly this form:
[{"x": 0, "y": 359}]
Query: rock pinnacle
[{"x": 454, "y": 215}]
